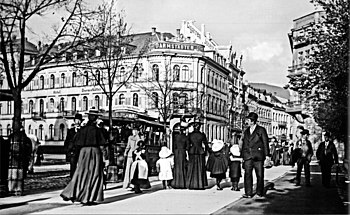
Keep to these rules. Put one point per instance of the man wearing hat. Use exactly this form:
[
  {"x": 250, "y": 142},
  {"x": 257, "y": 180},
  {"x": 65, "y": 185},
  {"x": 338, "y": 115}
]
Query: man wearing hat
[
  {"x": 327, "y": 155},
  {"x": 72, "y": 152},
  {"x": 304, "y": 159},
  {"x": 255, "y": 148}
]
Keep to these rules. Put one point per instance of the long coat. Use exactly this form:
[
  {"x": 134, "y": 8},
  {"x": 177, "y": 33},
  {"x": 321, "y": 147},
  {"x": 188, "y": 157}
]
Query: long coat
[
  {"x": 255, "y": 146},
  {"x": 180, "y": 145},
  {"x": 327, "y": 156},
  {"x": 196, "y": 172}
]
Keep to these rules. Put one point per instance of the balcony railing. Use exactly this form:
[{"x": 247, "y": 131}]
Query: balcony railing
[{"x": 38, "y": 116}]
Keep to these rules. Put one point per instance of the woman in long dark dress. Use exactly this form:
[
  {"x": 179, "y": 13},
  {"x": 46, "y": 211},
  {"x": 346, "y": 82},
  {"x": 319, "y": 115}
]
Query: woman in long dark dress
[
  {"x": 181, "y": 143},
  {"x": 196, "y": 172},
  {"x": 86, "y": 185}
]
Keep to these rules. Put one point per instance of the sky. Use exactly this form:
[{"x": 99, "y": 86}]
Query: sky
[{"x": 258, "y": 29}]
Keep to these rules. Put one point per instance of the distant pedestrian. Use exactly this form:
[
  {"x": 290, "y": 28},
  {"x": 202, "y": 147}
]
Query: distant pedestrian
[
  {"x": 255, "y": 148},
  {"x": 72, "y": 151},
  {"x": 304, "y": 158},
  {"x": 198, "y": 147},
  {"x": 86, "y": 185},
  {"x": 235, "y": 160},
  {"x": 128, "y": 154},
  {"x": 218, "y": 161},
  {"x": 139, "y": 168},
  {"x": 180, "y": 146},
  {"x": 327, "y": 155},
  {"x": 165, "y": 165},
  {"x": 33, "y": 157}
]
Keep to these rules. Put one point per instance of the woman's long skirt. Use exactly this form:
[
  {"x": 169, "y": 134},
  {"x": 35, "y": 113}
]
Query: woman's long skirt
[
  {"x": 87, "y": 182},
  {"x": 196, "y": 173},
  {"x": 179, "y": 181},
  {"x": 127, "y": 175}
]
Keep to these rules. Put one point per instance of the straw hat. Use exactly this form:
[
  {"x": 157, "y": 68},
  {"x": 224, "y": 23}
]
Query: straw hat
[
  {"x": 217, "y": 145},
  {"x": 164, "y": 152}
]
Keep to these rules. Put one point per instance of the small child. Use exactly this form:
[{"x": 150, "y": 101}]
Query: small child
[
  {"x": 165, "y": 165},
  {"x": 235, "y": 165}
]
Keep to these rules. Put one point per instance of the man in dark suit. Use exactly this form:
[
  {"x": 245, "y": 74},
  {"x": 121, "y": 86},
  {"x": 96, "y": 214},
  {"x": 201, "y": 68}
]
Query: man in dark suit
[
  {"x": 255, "y": 148},
  {"x": 304, "y": 158},
  {"x": 327, "y": 155},
  {"x": 72, "y": 151}
]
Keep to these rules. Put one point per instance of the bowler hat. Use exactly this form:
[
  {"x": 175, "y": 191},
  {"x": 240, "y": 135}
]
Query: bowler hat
[
  {"x": 305, "y": 131},
  {"x": 94, "y": 111},
  {"x": 78, "y": 116},
  {"x": 253, "y": 116}
]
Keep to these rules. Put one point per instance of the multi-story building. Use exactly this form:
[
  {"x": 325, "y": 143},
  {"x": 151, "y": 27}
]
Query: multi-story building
[
  {"x": 301, "y": 49},
  {"x": 200, "y": 71}
]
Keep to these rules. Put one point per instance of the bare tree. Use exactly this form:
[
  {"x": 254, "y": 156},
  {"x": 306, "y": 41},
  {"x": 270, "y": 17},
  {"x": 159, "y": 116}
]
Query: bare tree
[{"x": 112, "y": 40}]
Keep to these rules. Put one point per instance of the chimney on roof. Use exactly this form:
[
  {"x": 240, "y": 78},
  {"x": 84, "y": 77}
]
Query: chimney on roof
[{"x": 154, "y": 30}]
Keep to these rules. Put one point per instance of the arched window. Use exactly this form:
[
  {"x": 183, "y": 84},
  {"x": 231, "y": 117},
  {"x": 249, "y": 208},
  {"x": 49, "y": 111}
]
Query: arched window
[
  {"x": 86, "y": 78},
  {"x": 122, "y": 74},
  {"x": 135, "y": 100},
  {"x": 74, "y": 79},
  {"x": 41, "y": 131},
  {"x": 61, "y": 132},
  {"x": 97, "y": 102},
  {"x": 202, "y": 75},
  {"x": 176, "y": 100},
  {"x": 62, "y": 105},
  {"x": 31, "y": 106},
  {"x": 176, "y": 73},
  {"x": 41, "y": 107},
  {"x": 42, "y": 82},
  {"x": 63, "y": 79},
  {"x": 52, "y": 105},
  {"x": 155, "y": 72},
  {"x": 121, "y": 99},
  {"x": 85, "y": 103},
  {"x": 135, "y": 73},
  {"x": 9, "y": 129},
  {"x": 74, "y": 104},
  {"x": 185, "y": 73},
  {"x": 52, "y": 81},
  {"x": 51, "y": 132}
]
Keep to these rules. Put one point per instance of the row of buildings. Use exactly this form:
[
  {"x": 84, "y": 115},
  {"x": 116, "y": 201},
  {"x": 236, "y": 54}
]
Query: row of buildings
[{"x": 207, "y": 84}]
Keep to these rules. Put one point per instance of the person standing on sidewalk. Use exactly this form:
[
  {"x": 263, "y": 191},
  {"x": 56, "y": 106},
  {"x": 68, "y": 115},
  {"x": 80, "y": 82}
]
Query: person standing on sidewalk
[
  {"x": 327, "y": 155},
  {"x": 86, "y": 185},
  {"x": 72, "y": 151},
  {"x": 165, "y": 165},
  {"x": 128, "y": 154},
  {"x": 180, "y": 145},
  {"x": 198, "y": 147},
  {"x": 255, "y": 148},
  {"x": 305, "y": 154}
]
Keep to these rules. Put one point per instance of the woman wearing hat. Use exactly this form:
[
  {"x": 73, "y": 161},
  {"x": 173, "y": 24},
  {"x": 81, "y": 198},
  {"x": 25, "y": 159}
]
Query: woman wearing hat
[
  {"x": 180, "y": 145},
  {"x": 165, "y": 165},
  {"x": 218, "y": 161},
  {"x": 86, "y": 185}
]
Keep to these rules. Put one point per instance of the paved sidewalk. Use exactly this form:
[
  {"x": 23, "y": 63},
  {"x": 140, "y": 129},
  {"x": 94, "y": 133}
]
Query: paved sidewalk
[{"x": 153, "y": 201}]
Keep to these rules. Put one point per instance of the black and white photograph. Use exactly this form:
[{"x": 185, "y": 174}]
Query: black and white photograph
[{"x": 174, "y": 107}]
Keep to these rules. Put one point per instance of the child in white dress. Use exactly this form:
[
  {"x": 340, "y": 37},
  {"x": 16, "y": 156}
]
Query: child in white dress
[{"x": 165, "y": 165}]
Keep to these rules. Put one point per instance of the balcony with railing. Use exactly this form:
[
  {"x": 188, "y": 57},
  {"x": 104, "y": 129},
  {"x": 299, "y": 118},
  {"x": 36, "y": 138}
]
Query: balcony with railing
[{"x": 38, "y": 116}]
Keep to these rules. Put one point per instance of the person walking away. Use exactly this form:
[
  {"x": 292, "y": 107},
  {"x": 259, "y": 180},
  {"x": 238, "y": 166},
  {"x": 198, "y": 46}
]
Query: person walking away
[
  {"x": 86, "y": 185},
  {"x": 72, "y": 151},
  {"x": 139, "y": 168},
  {"x": 218, "y": 161},
  {"x": 235, "y": 159},
  {"x": 128, "y": 154},
  {"x": 180, "y": 145},
  {"x": 197, "y": 149},
  {"x": 304, "y": 158},
  {"x": 165, "y": 165},
  {"x": 255, "y": 149},
  {"x": 327, "y": 155}
]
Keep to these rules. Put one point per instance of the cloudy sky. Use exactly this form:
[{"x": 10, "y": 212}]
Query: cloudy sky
[{"x": 256, "y": 28}]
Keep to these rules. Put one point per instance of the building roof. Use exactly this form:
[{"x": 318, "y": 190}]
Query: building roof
[{"x": 274, "y": 90}]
